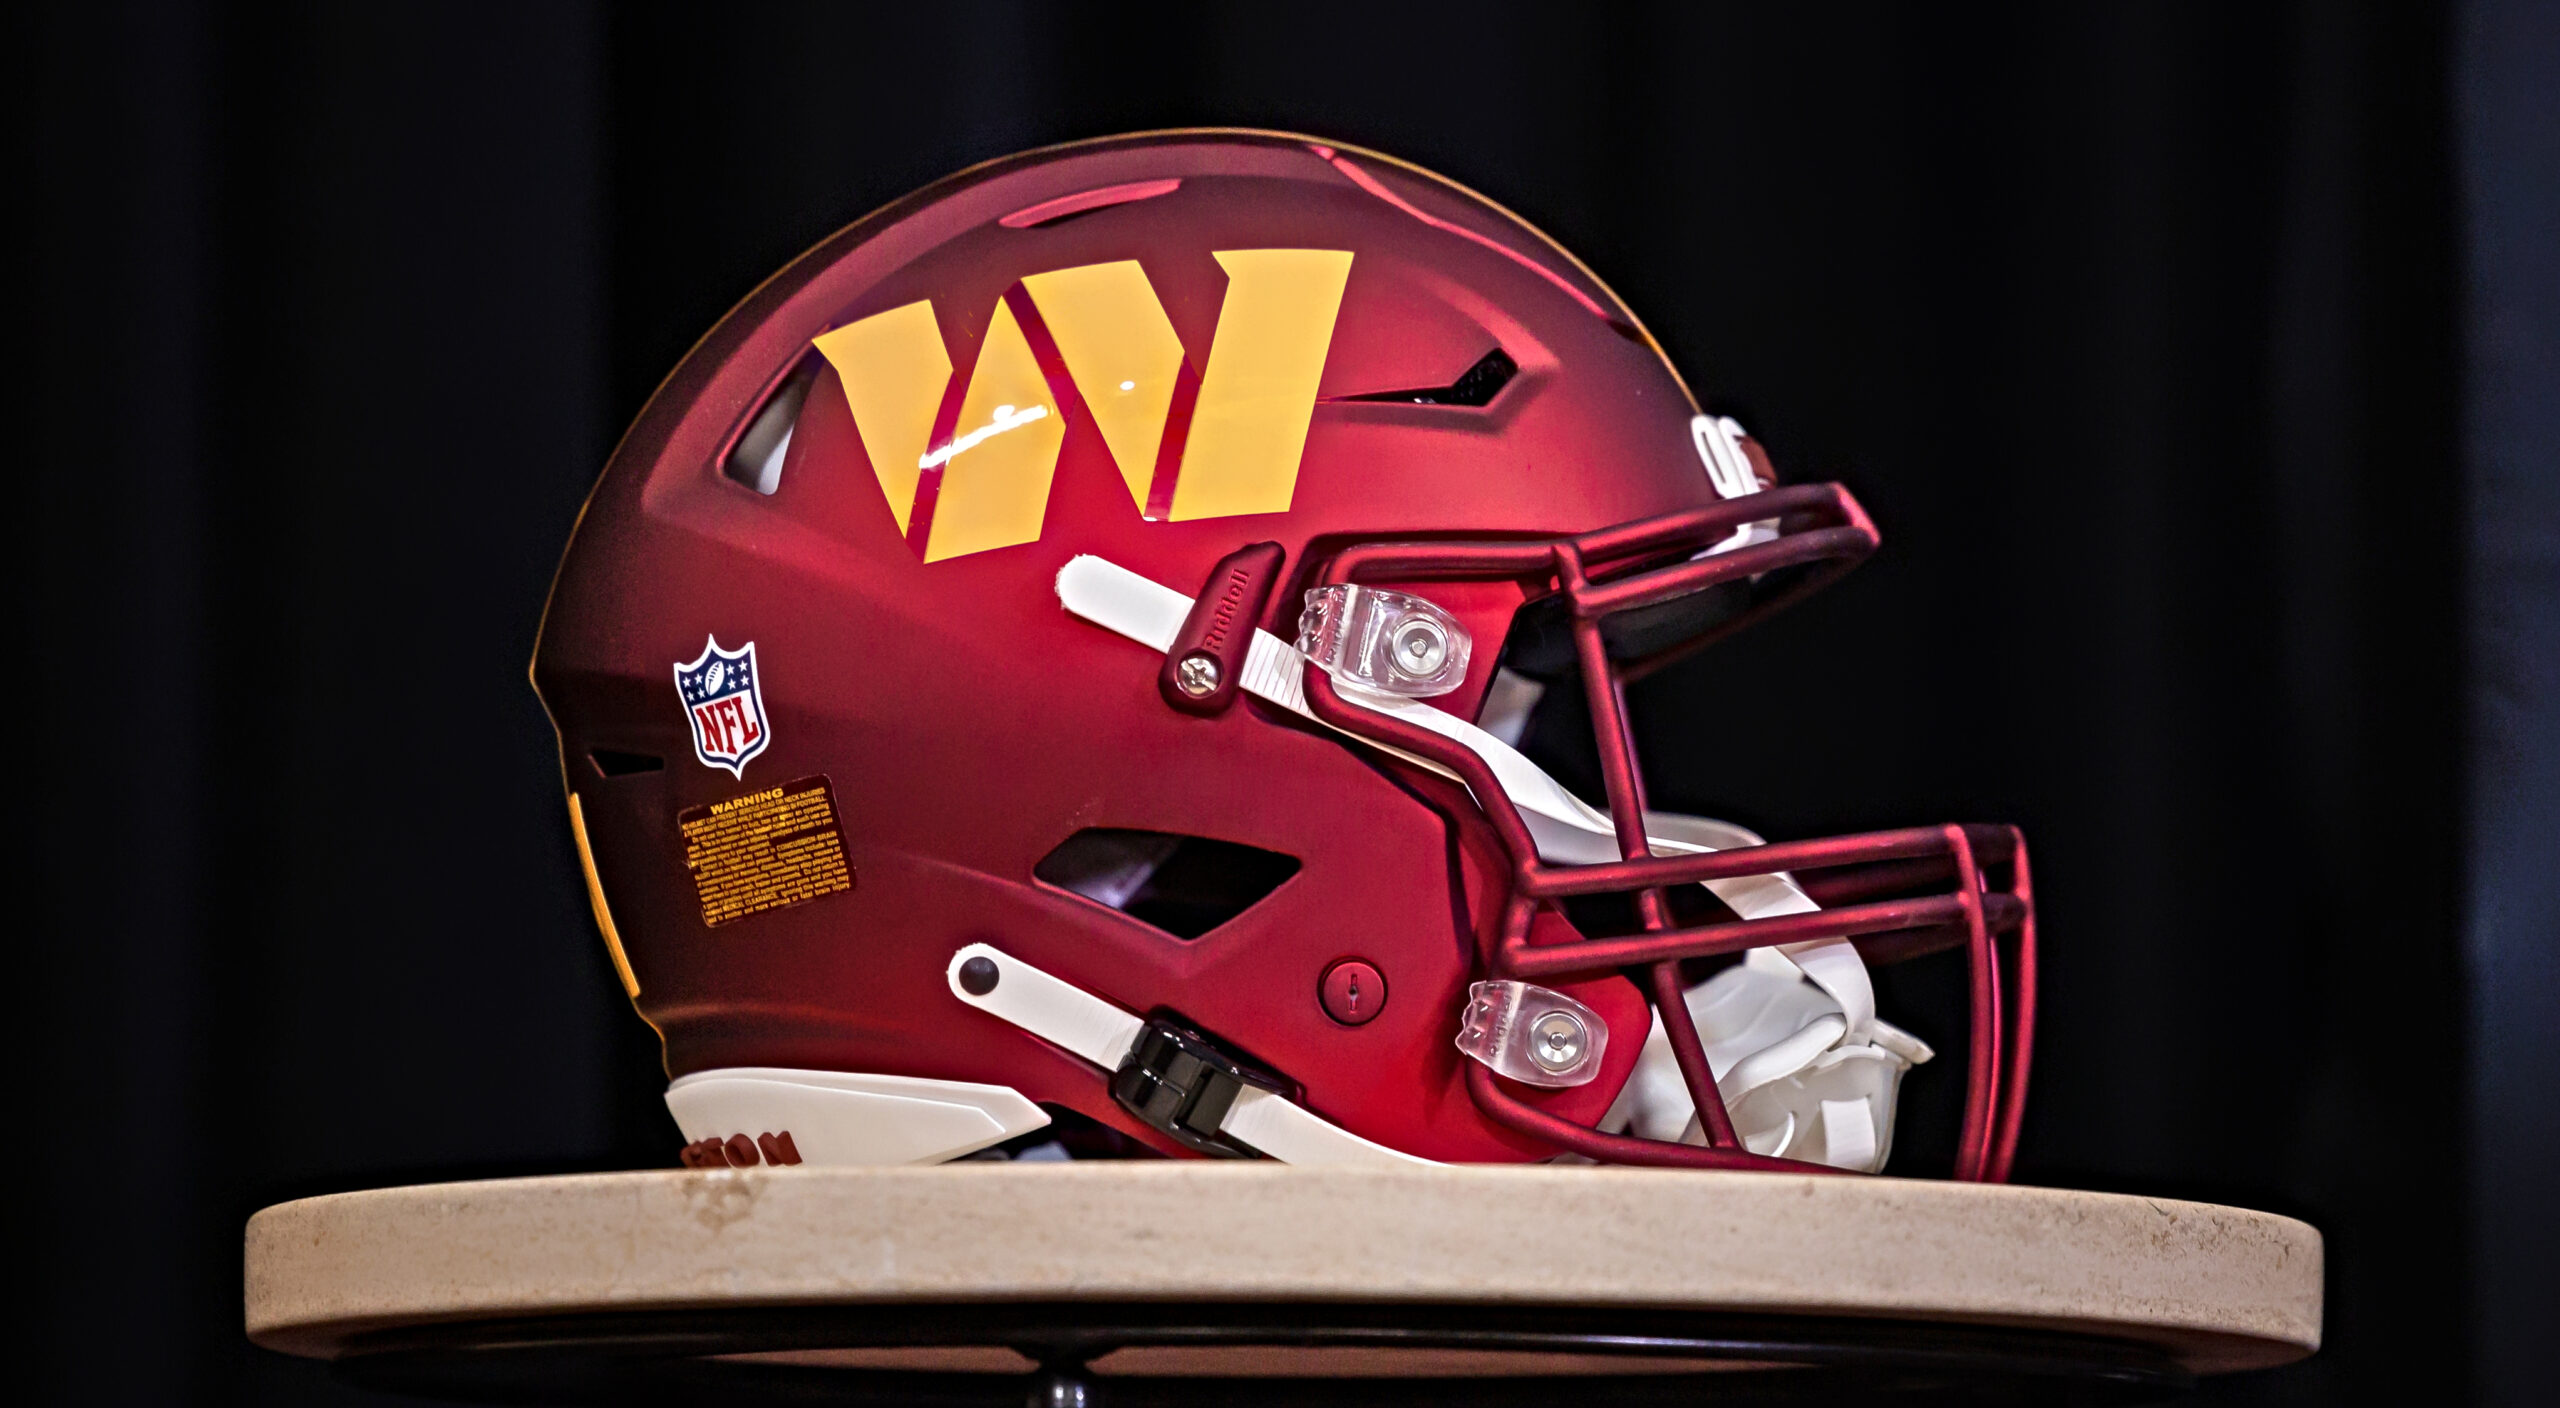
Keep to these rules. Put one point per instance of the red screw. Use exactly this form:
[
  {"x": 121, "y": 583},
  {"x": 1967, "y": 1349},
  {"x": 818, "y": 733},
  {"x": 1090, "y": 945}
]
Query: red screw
[{"x": 1352, "y": 992}]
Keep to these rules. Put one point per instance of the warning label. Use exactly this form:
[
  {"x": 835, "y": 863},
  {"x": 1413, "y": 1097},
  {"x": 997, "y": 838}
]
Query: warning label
[{"x": 766, "y": 850}]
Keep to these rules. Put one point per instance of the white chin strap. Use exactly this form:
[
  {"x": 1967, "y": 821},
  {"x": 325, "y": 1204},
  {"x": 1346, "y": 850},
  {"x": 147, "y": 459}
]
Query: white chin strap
[{"x": 1791, "y": 1106}]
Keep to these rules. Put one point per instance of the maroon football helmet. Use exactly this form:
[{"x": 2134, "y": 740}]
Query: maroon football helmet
[{"x": 1127, "y": 568}]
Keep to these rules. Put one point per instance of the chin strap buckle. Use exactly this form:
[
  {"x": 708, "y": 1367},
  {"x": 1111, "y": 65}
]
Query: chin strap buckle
[{"x": 1180, "y": 1083}]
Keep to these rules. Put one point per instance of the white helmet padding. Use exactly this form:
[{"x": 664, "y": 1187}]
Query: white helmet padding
[{"x": 1794, "y": 1085}]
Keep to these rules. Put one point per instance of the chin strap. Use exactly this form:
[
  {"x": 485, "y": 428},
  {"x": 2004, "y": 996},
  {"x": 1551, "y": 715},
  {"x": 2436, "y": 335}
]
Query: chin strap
[{"x": 1068, "y": 1017}]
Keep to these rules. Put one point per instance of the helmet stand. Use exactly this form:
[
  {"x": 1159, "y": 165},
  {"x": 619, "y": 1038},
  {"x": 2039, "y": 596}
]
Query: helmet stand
[{"x": 1157, "y": 1282}]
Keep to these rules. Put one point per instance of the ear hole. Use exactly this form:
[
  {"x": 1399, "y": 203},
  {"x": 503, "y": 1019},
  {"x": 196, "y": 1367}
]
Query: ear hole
[
  {"x": 611, "y": 762},
  {"x": 1184, "y": 885},
  {"x": 756, "y": 460}
]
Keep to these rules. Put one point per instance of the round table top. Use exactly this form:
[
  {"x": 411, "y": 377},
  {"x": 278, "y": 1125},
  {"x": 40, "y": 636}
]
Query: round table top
[{"x": 891, "y": 1268}]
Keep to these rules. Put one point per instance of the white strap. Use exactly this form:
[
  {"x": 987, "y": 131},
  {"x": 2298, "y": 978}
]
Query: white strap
[
  {"x": 1064, "y": 1015},
  {"x": 1293, "y": 1134},
  {"x": 1052, "y": 1009},
  {"x": 1567, "y": 830}
]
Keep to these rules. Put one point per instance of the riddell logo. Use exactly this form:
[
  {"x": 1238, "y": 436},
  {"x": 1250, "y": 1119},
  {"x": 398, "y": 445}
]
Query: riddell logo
[
  {"x": 967, "y": 471},
  {"x": 1223, "y": 618}
]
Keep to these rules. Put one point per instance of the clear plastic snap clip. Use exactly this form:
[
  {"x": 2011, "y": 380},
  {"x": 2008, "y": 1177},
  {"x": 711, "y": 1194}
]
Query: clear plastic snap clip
[
  {"x": 1534, "y": 1035},
  {"x": 1390, "y": 642}
]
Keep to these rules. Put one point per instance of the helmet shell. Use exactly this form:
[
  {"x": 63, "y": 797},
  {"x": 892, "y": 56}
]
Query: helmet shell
[{"x": 966, "y": 725}]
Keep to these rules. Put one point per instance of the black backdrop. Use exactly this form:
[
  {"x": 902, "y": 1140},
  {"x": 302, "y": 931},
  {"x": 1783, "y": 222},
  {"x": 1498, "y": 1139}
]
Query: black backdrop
[{"x": 2136, "y": 328}]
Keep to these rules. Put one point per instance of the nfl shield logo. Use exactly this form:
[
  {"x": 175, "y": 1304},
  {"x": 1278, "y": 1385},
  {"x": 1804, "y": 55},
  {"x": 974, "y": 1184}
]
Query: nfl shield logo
[{"x": 725, "y": 701}]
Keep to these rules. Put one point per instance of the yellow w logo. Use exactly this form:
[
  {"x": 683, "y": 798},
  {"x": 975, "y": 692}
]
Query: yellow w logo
[{"x": 968, "y": 472}]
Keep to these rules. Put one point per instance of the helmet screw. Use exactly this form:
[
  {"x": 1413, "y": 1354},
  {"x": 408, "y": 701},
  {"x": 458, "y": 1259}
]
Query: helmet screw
[
  {"x": 978, "y": 976},
  {"x": 1557, "y": 1041},
  {"x": 1197, "y": 676},
  {"x": 1352, "y": 991},
  {"x": 1421, "y": 648}
]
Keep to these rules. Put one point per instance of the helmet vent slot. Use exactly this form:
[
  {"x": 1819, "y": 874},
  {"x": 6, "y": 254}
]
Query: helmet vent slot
[
  {"x": 1476, "y": 386},
  {"x": 755, "y": 459},
  {"x": 1184, "y": 885},
  {"x": 613, "y": 762}
]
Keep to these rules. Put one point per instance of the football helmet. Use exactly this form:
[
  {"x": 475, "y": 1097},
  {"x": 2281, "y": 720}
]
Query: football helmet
[{"x": 1128, "y": 568}]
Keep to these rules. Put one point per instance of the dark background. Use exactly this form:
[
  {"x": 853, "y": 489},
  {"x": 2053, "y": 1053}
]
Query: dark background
[{"x": 2197, "y": 361}]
